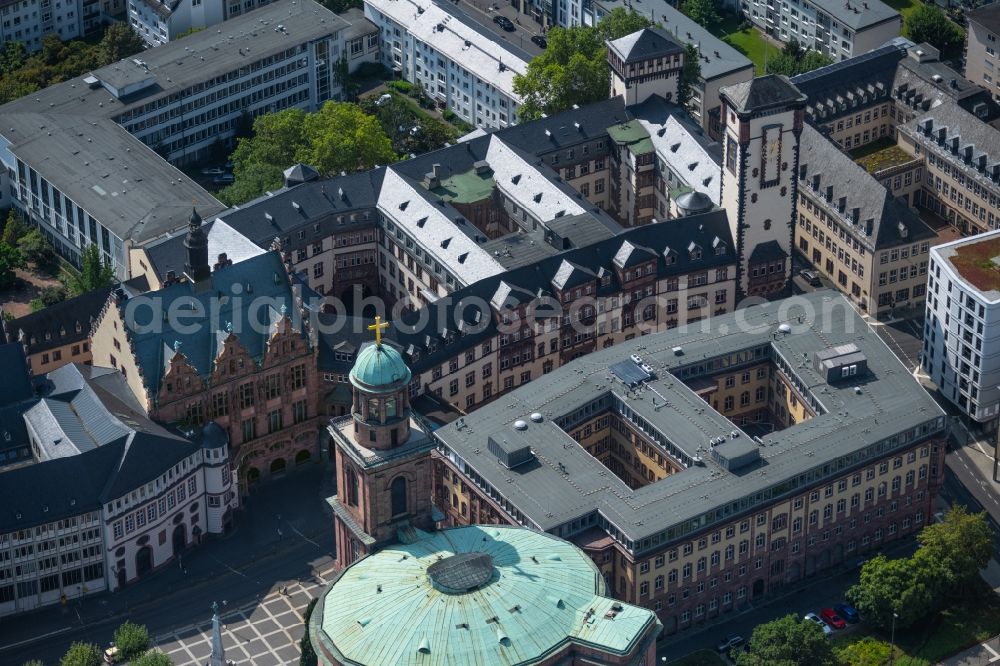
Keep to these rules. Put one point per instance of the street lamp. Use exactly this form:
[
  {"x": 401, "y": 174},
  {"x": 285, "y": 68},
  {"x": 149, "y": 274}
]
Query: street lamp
[{"x": 892, "y": 641}]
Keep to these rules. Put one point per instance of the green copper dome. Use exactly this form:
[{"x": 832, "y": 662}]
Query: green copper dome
[{"x": 379, "y": 368}]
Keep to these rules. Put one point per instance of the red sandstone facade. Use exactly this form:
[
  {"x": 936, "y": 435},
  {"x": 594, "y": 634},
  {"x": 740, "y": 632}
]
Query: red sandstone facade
[
  {"x": 725, "y": 566},
  {"x": 270, "y": 410}
]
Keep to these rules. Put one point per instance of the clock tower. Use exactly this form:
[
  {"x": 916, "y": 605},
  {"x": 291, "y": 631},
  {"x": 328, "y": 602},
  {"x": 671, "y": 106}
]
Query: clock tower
[{"x": 763, "y": 119}]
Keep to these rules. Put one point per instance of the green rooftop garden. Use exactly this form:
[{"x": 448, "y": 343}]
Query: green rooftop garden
[
  {"x": 880, "y": 154},
  {"x": 974, "y": 262},
  {"x": 466, "y": 187}
]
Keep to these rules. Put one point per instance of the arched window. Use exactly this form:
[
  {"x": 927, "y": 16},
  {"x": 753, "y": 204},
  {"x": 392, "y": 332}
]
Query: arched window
[
  {"x": 352, "y": 487},
  {"x": 397, "y": 493}
]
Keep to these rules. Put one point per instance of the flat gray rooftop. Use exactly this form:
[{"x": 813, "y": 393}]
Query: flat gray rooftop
[
  {"x": 863, "y": 418},
  {"x": 197, "y": 58},
  {"x": 109, "y": 173}
]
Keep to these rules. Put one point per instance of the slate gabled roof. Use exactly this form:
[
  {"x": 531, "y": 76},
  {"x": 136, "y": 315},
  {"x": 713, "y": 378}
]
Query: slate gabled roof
[
  {"x": 16, "y": 385},
  {"x": 820, "y": 156},
  {"x": 524, "y": 283},
  {"x": 762, "y": 93},
  {"x": 59, "y": 322},
  {"x": 258, "y": 288},
  {"x": 987, "y": 16},
  {"x": 630, "y": 254},
  {"x": 645, "y": 44},
  {"x": 110, "y": 447}
]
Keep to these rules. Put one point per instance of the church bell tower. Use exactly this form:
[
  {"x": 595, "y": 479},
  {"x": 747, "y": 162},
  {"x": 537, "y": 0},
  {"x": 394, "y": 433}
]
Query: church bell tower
[{"x": 382, "y": 456}]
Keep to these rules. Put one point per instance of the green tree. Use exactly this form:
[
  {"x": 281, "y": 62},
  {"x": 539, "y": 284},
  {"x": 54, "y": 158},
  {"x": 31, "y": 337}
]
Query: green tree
[
  {"x": 120, "y": 41},
  {"x": 152, "y": 658},
  {"x": 82, "y": 654},
  {"x": 868, "y": 651},
  {"x": 572, "y": 69},
  {"x": 14, "y": 228},
  {"x": 787, "y": 641},
  {"x": 277, "y": 138},
  {"x": 794, "y": 59},
  {"x": 10, "y": 260},
  {"x": 250, "y": 183},
  {"x": 95, "y": 273},
  {"x": 342, "y": 137},
  {"x": 12, "y": 56},
  {"x": 48, "y": 296},
  {"x": 928, "y": 23},
  {"x": 962, "y": 544},
  {"x": 908, "y": 587},
  {"x": 702, "y": 12},
  {"x": 308, "y": 654},
  {"x": 621, "y": 22},
  {"x": 690, "y": 75},
  {"x": 37, "y": 249},
  {"x": 338, "y": 137},
  {"x": 132, "y": 640},
  {"x": 341, "y": 6},
  {"x": 33, "y": 662}
]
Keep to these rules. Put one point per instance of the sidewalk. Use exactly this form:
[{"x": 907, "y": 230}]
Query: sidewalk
[{"x": 276, "y": 519}]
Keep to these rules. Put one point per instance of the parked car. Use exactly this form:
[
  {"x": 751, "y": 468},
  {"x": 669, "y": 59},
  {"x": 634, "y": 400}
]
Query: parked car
[
  {"x": 729, "y": 642},
  {"x": 812, "y": 617},
  {"x": 224, "y": 179},
  {"x": 383, "y": 100},
  {"x": 213, "y": 171},
  {"x": 848, "y": 612},
  {"x": 504, "y": 23},
  {"x": 540, "y": 42},
  {"x": 811, "y": 277},
  {"x": 831, "y": 618}
]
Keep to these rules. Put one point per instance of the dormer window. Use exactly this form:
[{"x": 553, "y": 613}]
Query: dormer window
[
  {"x": 606, "y": 280},
  {"x": 694, "y": 251}
]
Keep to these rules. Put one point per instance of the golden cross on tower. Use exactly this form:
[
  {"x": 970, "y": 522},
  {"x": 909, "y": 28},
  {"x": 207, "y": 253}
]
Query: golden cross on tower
[{"x": 377, "y": 327}]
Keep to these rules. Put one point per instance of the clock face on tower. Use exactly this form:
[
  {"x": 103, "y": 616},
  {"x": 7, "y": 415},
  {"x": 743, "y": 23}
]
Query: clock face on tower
[{"x": 770, "y": 171}]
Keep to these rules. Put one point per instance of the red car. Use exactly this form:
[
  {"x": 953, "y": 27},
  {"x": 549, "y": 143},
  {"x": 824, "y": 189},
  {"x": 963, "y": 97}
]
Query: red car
[{"x": 831, "y": 618}]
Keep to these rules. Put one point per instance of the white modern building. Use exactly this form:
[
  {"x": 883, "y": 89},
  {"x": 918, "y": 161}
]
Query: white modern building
[
  {"x": 107, "y": 497},
  {"x": 838, "y": 29},
  {"x": 160, "y": 22},
  {"x": 27, "y": 21},
  {"x": 459, "y": 67},
  {"x": 982, "y": 47},
  {"x": 961, "y": 350}
]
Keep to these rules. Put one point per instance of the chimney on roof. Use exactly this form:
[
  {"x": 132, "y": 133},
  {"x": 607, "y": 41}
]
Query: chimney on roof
[{"x": 196, "y": 246}]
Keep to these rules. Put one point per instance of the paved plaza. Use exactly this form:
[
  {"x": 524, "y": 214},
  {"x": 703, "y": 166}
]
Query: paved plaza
[{"x": 258, "y": 634}]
